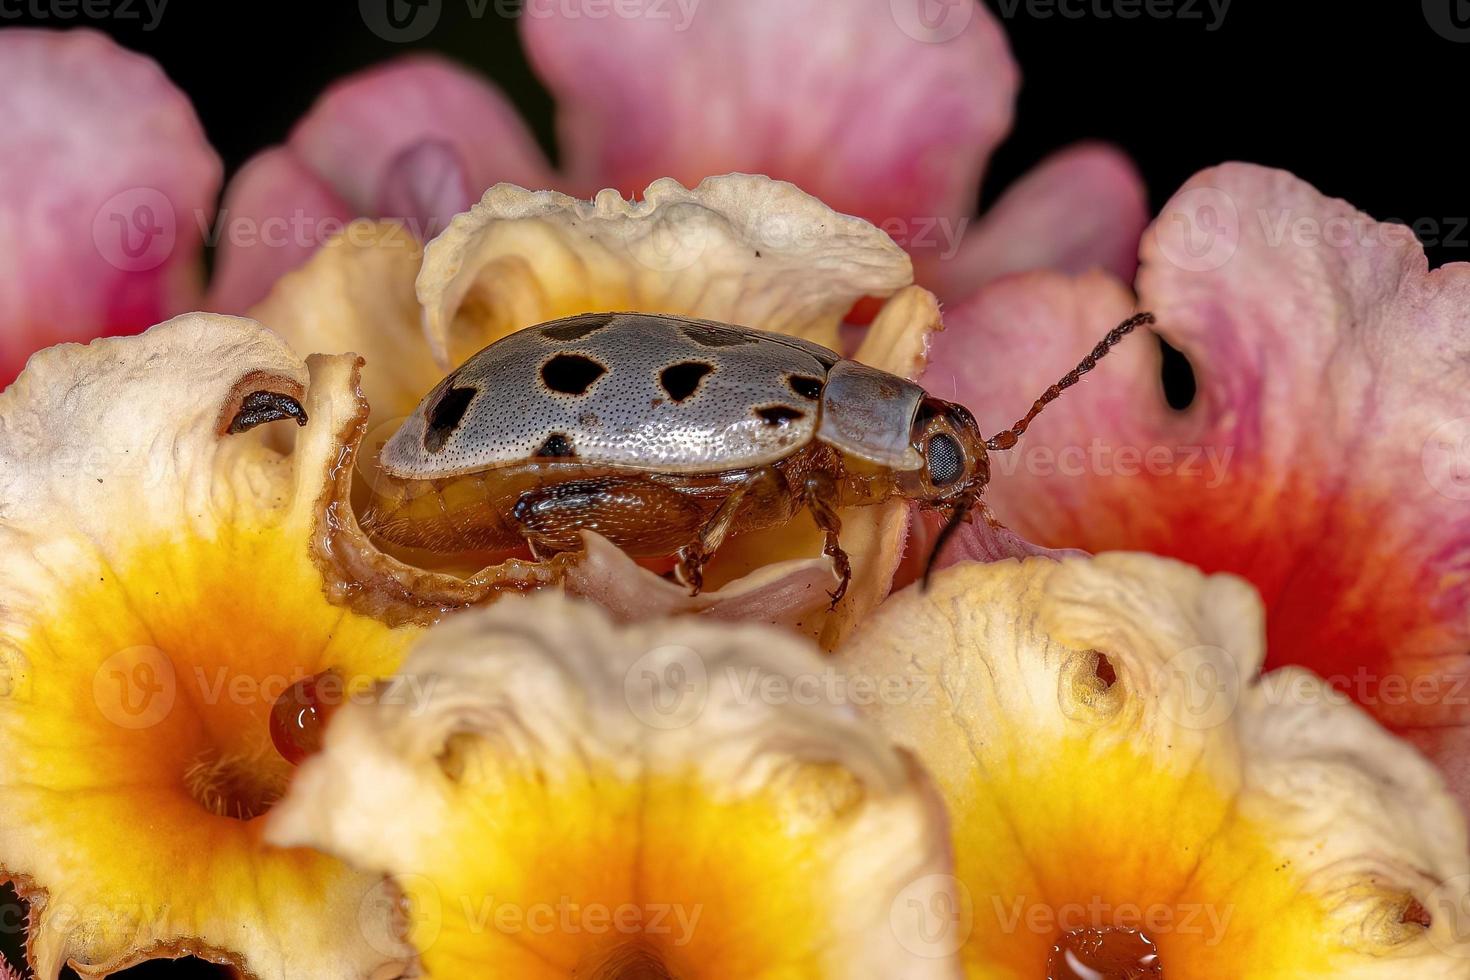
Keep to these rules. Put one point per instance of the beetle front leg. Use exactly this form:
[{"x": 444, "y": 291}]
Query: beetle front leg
[
  {"x": 819, "y": 494},
  {"x": 763, "y": 487}
]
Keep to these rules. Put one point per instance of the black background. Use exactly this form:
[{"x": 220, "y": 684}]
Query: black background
[{"x": 1366, "y": 101}]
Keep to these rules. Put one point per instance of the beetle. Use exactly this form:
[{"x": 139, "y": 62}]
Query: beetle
[{"x": 666, "y": 434}]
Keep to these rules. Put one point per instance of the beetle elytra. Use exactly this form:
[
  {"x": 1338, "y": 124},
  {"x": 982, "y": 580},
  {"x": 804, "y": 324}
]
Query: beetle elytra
[{"x": 666, "y": 435}]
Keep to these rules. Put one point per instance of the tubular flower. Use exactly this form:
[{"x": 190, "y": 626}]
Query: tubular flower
[
  {"x": 109, "y": 185},
  {"x": 170, "y": 567},
  {"x": 575, "y": 799},
  {"x": 740, "y": 249},
  {"x": 1129, "y": 796},
  {"x": 1322, "y": 456}
]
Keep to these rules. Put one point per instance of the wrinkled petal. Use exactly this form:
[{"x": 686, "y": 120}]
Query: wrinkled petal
[
  {"x": 1113, "y": 759},
  {"x": 740, "y": 249},
  {"x": 887, "y": 110},
  {"x": 162, "y": 585},
  {"x": 1322, "y": 456},
  {"x": 106, "y": 186},
  {"x": 416, "y": 139},
  {"x": 567, "y": 798},
  {"x": 1081, "y": 209}
]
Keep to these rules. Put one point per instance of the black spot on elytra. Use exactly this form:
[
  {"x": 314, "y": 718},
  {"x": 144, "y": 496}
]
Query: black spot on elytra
[
  {"x": 446, "y": 415},
  {"x": 557, "y": 445},
  {"x": 571, "y": 374},
  {"x": 715, "y": 335},
  {"x": 260, "y": 407},
  {"x": 779, "y": 414},
  {"x": 682, "y": 380},
  {"x": 805, "y": 385},
  {"x": 576, "y": 327}
]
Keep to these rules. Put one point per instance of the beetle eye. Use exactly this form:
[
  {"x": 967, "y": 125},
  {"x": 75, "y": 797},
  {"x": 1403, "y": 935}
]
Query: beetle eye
[{"x": 946, "y": 460}]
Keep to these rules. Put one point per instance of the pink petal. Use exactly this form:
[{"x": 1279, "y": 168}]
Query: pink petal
[
  {"x": 1080, "y": 209},
  {"x": 861, "y": 104},
  {"x": 106, "y": 184},
  {"x": 360, "y": 126},
  {"x": 276, "y": 213},
  {"x": 417, "y": 139},
  {"x": 1323, "y": 459}
]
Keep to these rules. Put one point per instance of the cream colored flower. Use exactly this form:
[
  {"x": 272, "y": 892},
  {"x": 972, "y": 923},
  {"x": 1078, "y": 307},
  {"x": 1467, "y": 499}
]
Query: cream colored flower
[
  {"x": 166, "y": 572},
  {"x": 1123, "y": 784},
  {"x": 575, "y": 799}
]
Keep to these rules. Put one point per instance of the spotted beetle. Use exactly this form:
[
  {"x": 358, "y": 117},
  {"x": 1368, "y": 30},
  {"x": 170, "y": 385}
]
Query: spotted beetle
[{"x": 666, "y": 434}]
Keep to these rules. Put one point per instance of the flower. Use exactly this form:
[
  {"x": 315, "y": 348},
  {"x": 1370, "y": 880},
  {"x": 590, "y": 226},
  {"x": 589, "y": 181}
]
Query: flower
[
  {"x": 1127, "y": 791},
  {"x": 740, "y": 249},
  {"x": 1322, "y": 457},
  {"x": 871, "y": 107},
  {"x": 169, "y": 566},
  {"x": 579, "y": 799}
]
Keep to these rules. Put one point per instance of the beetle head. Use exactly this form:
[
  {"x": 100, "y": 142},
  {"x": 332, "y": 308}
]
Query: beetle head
[
  {"x": 956, "y": 464},
  {"x": 942, "y": 426}
]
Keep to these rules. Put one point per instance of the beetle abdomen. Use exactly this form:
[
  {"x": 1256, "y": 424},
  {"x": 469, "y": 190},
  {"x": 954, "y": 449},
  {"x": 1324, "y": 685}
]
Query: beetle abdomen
[{"x": 648, "y": 392}]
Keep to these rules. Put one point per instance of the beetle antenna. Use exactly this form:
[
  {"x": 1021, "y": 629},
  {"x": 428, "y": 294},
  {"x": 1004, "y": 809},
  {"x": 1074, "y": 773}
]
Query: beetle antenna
[
  {"x": 1009, "y": 437},
  {"x": 960, "y": 515}
]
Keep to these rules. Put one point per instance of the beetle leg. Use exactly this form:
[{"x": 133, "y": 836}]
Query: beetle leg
[
  {"x": 763, "y": 484},
  {"x": 820, "y": 495}
]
